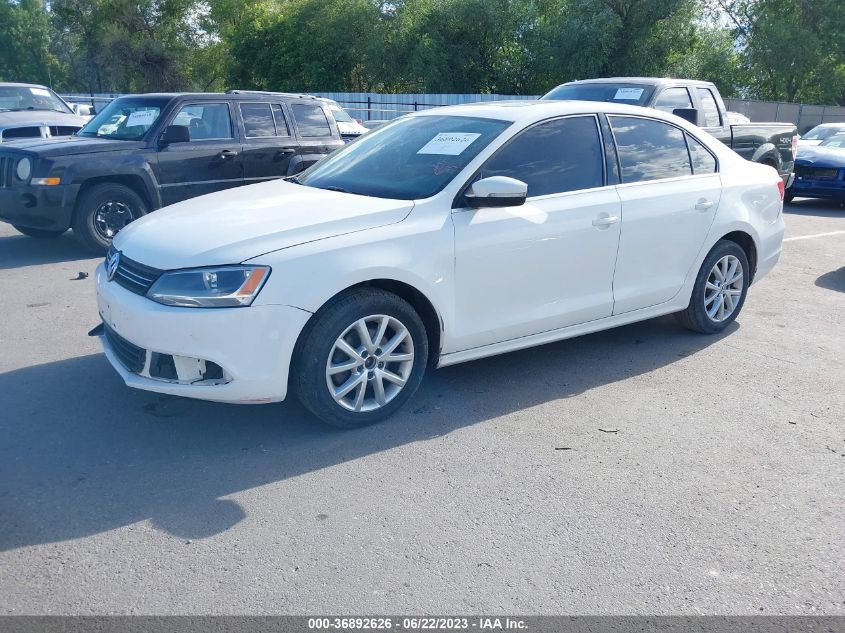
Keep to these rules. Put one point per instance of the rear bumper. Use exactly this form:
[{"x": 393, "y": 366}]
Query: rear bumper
[
  {"x": 252, "y": 345},
  {"x": 788, "y": 179},
  {"x": 38, "y": 207}
]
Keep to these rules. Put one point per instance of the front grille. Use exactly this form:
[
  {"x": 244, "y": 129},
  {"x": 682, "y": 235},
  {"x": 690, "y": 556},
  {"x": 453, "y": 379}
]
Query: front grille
[
  {"x": 130, "y": 356},
  {"x": 816, "y": 173},
  {"x": 132, "y": 275},
  {"x": 22, "y": 132},
  {"x": 7, "y": 167}
]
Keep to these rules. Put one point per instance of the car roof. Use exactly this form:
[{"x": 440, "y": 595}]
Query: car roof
[
  {"x": 13, "y": 84},
  {"x": 650, "y": 81},
  {"x": 526, "y": 111},
  {"x": 229, "y": 94},
  {"x": 833, "y": 124}
]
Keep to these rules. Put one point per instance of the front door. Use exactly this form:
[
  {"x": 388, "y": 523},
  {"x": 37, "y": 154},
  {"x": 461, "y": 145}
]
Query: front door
[
  {"x": 210, "y": 161},
  {"x": 546, "y": 264},
  {"x": 670, "y": 192}
]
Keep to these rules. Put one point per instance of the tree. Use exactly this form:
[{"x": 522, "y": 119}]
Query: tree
[{"x": 25, "y": 53}]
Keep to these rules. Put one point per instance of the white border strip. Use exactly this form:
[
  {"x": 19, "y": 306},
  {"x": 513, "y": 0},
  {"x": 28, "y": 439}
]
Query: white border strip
[{"x": 810, "y": 237}]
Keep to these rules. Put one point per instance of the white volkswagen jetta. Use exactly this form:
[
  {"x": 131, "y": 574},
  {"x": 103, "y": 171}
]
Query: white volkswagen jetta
[{"x": 446, "y": 236}]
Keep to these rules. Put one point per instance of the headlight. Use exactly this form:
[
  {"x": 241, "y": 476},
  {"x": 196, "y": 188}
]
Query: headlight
[
  {"x": 219, "y": 287},
  {"x": 24, "y": 169}
]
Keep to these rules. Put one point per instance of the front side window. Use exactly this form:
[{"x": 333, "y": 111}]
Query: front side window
[
  {"x": 673, "y": 98},
  {"x": 206, "y": 121},
  {"x": 258, "y": 120},
  {"x": 125, "y": 119},
  {"x": 281, "y": 121},
  {"x": 703, "y": 162},
  {"x": 552, "y": 157},
  {"x": 711, "y": 110},
  {"x": 649, "y": 149},
  {"x": 408, "y": 159},
  {"x": 311, "y": 120}
]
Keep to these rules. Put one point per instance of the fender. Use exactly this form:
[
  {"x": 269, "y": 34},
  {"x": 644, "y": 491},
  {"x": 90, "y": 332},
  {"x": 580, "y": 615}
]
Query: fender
[
  {"x": 768, "y": 152},
  {"x": 102, "y": 168},
  {"x": 302, "y": 161}
]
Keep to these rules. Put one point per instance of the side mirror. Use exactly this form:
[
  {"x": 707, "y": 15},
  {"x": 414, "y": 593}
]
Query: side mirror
[
  {"x": 687, "y": 114},
  {"x": 496, "y": 191},
  {"x": 175, "y": 134}
]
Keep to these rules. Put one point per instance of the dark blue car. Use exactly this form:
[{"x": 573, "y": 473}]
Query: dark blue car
[{"x": 820, "y": 171}]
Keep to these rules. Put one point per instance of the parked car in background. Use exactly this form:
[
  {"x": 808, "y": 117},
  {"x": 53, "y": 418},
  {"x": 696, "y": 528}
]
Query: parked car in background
[
  {"x": 445, "y": 236},
  {"x": 699, "y": 102},
  {"x": 142, "y": 152},
  {"x": 819, "y": 133},
  {"x": 350, "y": 129},
  {"x": 820, "y": 170},
  {"x": 31, "y": 111}
]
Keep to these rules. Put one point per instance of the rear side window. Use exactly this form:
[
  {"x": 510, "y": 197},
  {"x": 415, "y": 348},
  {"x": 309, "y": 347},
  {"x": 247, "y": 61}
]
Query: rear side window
[
  {"x": 552, "y": 157},
  {"x": 649, "y": 149},
  {"x": 311, "y": 120},
  {"x": 703, "y": 162},
  {"x": 258, "y": 120},
  {"x": 282, "y": 128},
  {"x": 712, "y": 118},
  {"x": 672, "y": 98}
]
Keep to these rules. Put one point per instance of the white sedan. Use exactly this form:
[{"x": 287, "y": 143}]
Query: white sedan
[{"x": 443, "y": 237}]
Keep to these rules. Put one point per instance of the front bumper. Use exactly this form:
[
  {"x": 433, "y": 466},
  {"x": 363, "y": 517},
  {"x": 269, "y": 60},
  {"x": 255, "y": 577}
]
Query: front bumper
[
  {"x": 252, "y": 345},
  {"x": 38, "y": 207},
  {"x": 818, "y": 189}
]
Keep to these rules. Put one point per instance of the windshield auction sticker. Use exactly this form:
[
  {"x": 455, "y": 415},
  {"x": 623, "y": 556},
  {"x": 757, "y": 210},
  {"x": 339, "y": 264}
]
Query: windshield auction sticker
[
  {"x": 629, "y": 94},
  {"x": 142, "y": 117},
  {"x": 40, "y": 92},
  {"x": 448, "y": 143}
]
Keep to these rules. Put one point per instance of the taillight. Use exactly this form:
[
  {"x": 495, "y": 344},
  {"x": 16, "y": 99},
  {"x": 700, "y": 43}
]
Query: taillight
[
  {"x": 781, "y": 189},
  {"x": 794, "y": 145}
]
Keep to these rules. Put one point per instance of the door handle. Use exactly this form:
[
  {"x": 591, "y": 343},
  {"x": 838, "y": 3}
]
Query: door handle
[
  {"x": 605, "y": 221},
  {"x": 226, "y": 153},
  {"x": 703, "y": 204},
  {"x": 286, "y": 150}
]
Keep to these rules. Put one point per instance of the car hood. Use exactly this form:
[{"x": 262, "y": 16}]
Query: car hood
[
  {"x": 39, "y": 117},
  {"x": 821, "y": 156},
  {"x": 238, "y": 224},
  {"x": 72, "y": 145}
]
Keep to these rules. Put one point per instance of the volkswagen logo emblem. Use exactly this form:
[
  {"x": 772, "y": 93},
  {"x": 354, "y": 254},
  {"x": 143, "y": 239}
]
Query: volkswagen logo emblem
[{"x": 111, "y": 265}]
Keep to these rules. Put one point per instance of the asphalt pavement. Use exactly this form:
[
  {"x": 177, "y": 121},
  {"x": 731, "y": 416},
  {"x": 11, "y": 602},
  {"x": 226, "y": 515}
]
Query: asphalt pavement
[{"x": 643, "y": 470}]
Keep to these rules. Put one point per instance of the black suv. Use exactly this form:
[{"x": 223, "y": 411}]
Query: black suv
[{"x": 142, "y": 152}]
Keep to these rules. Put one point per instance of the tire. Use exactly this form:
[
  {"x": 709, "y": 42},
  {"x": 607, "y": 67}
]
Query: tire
[
  {"x": 703, "y": 314},
  {"x": 39, "y": 233},
  {"x": 103, "y": 208},
  {"x": 317, "y": 347},
  {"x": 788, "y": 196}
]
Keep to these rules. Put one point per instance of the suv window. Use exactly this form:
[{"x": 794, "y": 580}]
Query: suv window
[
  {"x": 552, "y": 157},
  {"x": 258, "y": 120},
  {"x": 282, "y": 128},
  {"x": 712, "y": 118},
  {"x": 672, "y": 98},
  {"x": 206, "y": 121},
  {"x": 703, "y": 162},
  {"x": 649, "y": 149},
  {"x": 311, "y": 120}
]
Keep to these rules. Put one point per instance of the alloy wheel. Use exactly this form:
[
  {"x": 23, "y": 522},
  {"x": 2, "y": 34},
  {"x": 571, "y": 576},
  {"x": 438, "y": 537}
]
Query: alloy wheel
[
  {"x": 723, "y": 289},
  {"x": 110, "y": 217}
]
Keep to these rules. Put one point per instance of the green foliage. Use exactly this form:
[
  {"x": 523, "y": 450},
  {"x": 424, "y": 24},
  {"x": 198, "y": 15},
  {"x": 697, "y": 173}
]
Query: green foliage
[{"x": 771, "y": 49}]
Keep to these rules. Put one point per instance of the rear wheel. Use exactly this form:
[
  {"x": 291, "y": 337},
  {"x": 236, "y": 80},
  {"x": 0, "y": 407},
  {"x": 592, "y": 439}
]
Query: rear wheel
[
  {"x": 719, "y": 291},
  {"x": 39, "y": 233},
  {"x": 360, "y": 358},
  {"x": 102, "y": 211}
]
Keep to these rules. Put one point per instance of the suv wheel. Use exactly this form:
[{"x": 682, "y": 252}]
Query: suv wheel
[
  {"x": 39, "y": 233},
  {"x": 102, "y": 211},
  {"x": 360, "y": 358},
  {"x": 719, "y": 291}
]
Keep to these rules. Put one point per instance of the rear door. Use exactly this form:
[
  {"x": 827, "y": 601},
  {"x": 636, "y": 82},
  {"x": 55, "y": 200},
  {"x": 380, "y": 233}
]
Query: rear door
[
  {"x": 316, "y": 131},
  {"x": 269, "y": 147},
  {"x": 670, "y": 191},
  {"x": 210, "y": 161}
]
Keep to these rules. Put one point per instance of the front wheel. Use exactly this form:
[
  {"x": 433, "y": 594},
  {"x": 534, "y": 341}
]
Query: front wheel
[
  {"x": 719, "y": 291},
  {"x": 39, "y": 233},
  {"x": 360, "y": 358},
  {"x": 102, "y": 211}
]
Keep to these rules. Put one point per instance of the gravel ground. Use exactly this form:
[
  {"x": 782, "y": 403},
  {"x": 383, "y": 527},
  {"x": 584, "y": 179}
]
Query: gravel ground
[{"x": 644, "y": 470}]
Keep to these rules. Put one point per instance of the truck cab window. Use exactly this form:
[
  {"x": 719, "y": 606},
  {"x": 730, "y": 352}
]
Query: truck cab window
[
  {"x": 673, "y": 98},
  {"x": 712, "y": 118}
]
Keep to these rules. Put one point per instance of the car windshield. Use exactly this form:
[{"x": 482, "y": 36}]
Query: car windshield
[
  {"x": 340, "y": 115},
  {"x": 820, "y": 133},
  {"x": 409, "y": 159},
  {"x": 632, "y": 94},
  {"x": 837, "y": 140},
  {"x": 125, "y": 119},
  {"x": 20, "y": 98}
]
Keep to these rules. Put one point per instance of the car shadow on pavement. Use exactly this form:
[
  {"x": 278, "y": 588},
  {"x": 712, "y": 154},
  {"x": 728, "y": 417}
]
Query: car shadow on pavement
[
  {"x": 816, "y": 207},
  {"x": 834, "y": 280},
  {"x": 17, "y": 251},
  {"x": 83, "y": 454}
]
